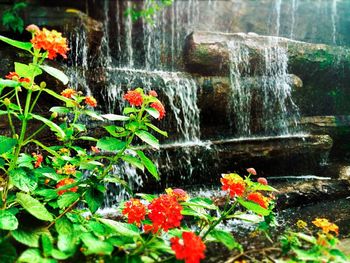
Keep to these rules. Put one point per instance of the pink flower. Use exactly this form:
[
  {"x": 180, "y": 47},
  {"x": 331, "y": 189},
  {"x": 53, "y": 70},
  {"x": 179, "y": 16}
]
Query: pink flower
[{"x": 252, "y": 171}]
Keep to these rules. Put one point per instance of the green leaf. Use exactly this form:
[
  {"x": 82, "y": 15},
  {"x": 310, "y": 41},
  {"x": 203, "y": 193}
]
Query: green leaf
[
  {"x": 66, "y": 235},
  {"x": 147, "y": 197},
  {"x": 110, "y": 144},
  {"x": 23, "y": 181},
  {"x": 62, "y": 110},
  {"x": 6, "y": 144},
  {"x": 67, "y": 199},
  {"x": 148, "y": 138},
  {"x": 47, "y": 172},
  {"x": 122, "y": 229},
  {"x": 33, "y": 255},
  {"x": 8, "y": 221},
  {"x": 114, "y": 117},
  {"x": 27, "y": 71},
  {"x": 128, "y": 110},
  {"x": 254, "y": 207},
  {"x": 155, "y": 128},
  {"x": 25, "y": 160},
  {"x": 201, "y": 202},
  {"x": 260, "y": 187},
  {"x": 29, "y": 237},
  {"x": 46, "y": 244},
  {"x": 69, "y": 102},
  {"x": 48, "y": 194},
  {"x": 53, "y": 126},
  {"x": 8, "y": 83},
  {"x": 7, "y": 253},
  {"x": 93, "y": 115},
  {"x": 225, "y": 238},
  {"x": 95, "y": 246},
  {"x": 133, "y": 161},
  {"x": 60, "y": 255},
  {"x": 94, "y": 199},
  {"x": 34, "y": 207},
  {"x": 56, "y": 73},
  {"x": 153, "y": 112},
  {"x": 18, "y": 44},
  {"x": 150, "y": 166}
]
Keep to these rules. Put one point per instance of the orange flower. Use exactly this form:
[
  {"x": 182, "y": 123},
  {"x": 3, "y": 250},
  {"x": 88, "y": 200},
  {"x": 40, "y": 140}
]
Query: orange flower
[
  {"x": 38, "y": 159},
  {"x": 258, "y": 198},
  {"x": 191, "y": 248},
  {"x": 12, "y": 76},
  {"x": 135, "y": 211},
  {"x": 91, "y": 101},
  {"x": 153, "y": 93},
  {"x": 64, "y": 182},
  {"x": 69, "y": 169},
  {"x": 179, "y": 194},
  {"x": 133, "y": 97},
  {"x": 233, "y": 183},
  {"x": 25, "y": 80},
  {"x": 68, "y": 93},
  {"x": 51, "y": 41},
  {"x": 160, "y": 108},
  {"x": 326, "y": 226}
]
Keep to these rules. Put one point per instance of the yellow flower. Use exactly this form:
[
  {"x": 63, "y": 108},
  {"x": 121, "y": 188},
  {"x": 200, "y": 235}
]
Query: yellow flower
[
  {"x": 301, "y": 224},
  {"x": 326, "y": 226}
]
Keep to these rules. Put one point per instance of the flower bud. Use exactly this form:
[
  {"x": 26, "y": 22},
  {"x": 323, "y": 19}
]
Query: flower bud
[
  {"x": 54, "y": 115},
  {"x": 7, "y": 101},
  {"x": 262, "y": 180},
  {"x": 43, "y": 84},
  {"x": 252, "y": 171},
  {"x": 32, "y": 28}
]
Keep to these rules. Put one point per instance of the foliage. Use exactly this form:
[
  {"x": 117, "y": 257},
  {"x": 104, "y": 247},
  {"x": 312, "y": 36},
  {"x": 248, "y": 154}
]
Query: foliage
[
  {"x": 12, "y": 19},
  {"x": 49, "y": 198},
  {"x": 149, "y": 10}
]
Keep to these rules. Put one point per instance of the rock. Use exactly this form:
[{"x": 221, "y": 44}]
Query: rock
[
  {"x": 202, "y": 163},
  {"x": 207, "y": 53}
]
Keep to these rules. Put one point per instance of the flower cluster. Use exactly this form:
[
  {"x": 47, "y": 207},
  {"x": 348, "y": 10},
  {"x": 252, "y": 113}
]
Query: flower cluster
[
  {"x": 191, "y": 248},
  {"x": 73, "y": 94},
  {"x": 179, "y": 194},
  {"x": 137, "y": 98},
  {"x": 258, "y": 198},
  {"x": 38, "y": 159},
  {"x": 64, "y": 182},
  {"x": 135, "y": 211},
  {"x": 234, "y": 184},
  {"x": 50, "y": 41},
  {"x": 326, "y": 226}
]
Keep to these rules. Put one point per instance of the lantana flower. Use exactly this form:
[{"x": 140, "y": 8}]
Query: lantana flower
[
  {"x": 160, "y": 108},
  {"x": 68, "y": 93},
  {"x": 326, "y": 226},
  {"x": 258, "y": 198},
  {"x": 16, "y": 77},
  {"x": 91, "y": 101},
  {"x": 190, "y": 248},
  {"x": 165, "y": 213},
  {"x": 179, "y": 194},
  {"x": 51, "y": 41},
  {"x": 134, "y": 97},
  {"x": 135, "y": 211},
  {"x": 64, "y": 182},
  {"x": 234, "y": 184},
  {"x": 38, "y": 159}
]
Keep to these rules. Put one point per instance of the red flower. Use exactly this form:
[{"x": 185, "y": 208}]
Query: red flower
[
  {"x": 25, "y": 80},
  {"x": 262, "y": 180},
  {"x": 191, "y": 248},
  {"x": 133, "y": 97},
  {"x": 38, "y": 159},
  {"x": 234, "y": 184},
  {"x": 135, "y": 211},
  {"x": 252, "y": 171},
  {"x": 153, "y": 93},
  {"x": 160, "y": 108},
  {"x": 65, "y": 182},
  {"x": 51, "y": 41},
  {"x": 165, "y": 213},
  {"x": 68, "y": 93},
  {"x": 91, "y": 101},
  {"x": 179, "y": 194},
  {"x": 259, "y": 199}
]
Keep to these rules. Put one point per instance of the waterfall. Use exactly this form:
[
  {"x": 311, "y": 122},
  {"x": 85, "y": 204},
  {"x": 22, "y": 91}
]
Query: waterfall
[
  {"x": 334, "y": 23},
  {"x": 278, "y": 16},
  {"x": 261, "y": 101},
  {"x": 294, "y": 11}
]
